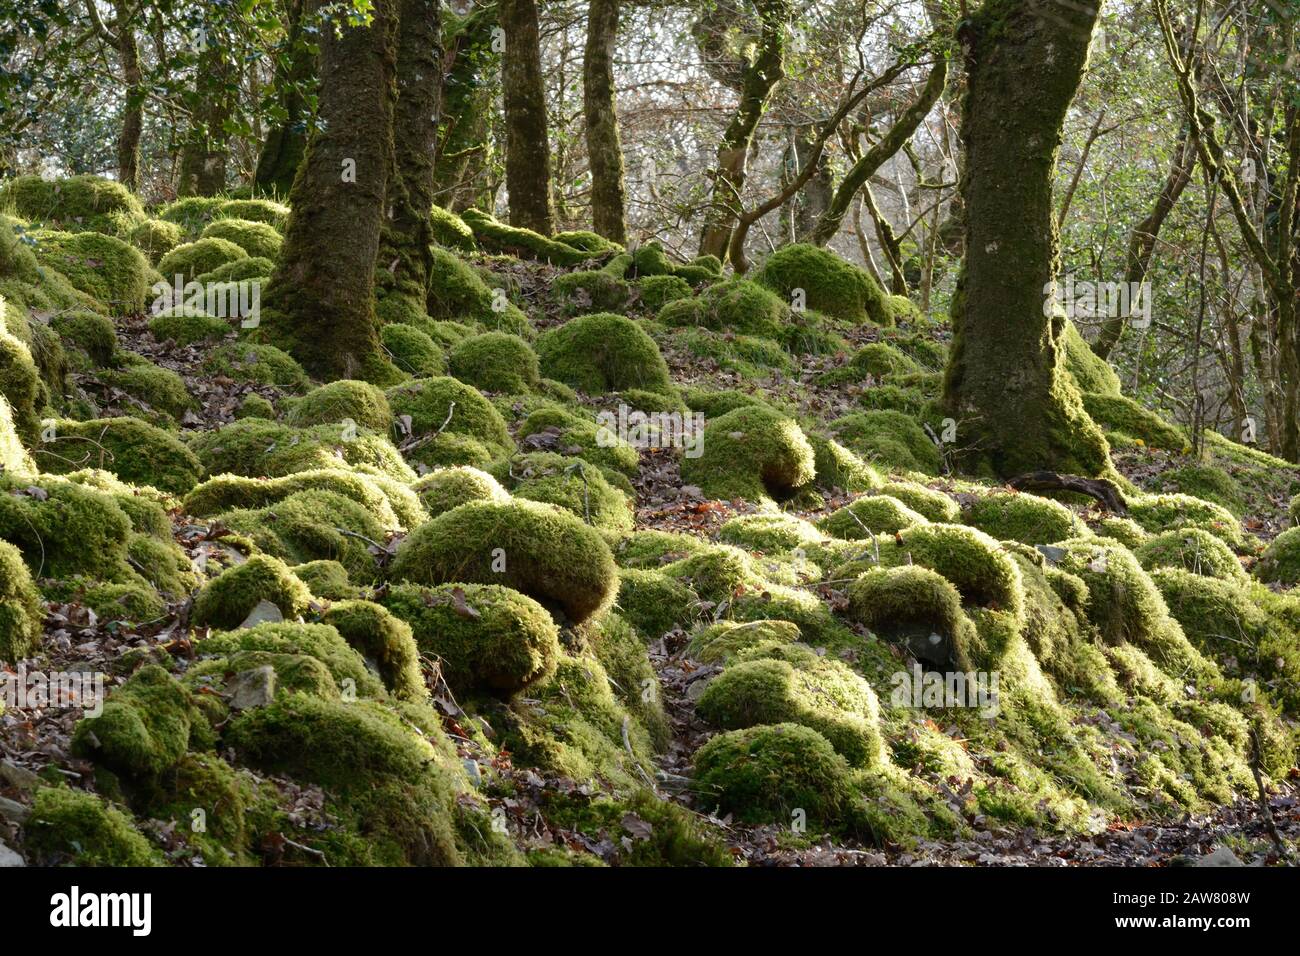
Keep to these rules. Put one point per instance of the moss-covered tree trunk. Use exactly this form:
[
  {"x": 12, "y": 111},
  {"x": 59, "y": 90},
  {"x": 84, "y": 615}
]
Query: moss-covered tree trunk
[
  {"x": 404, "y": 257},
  {"x": 604, "y": 151},
  {"x": 528, "y": 152},
  {"x": 128, "y": 141},
  {"x": 1016, "y": 409},
  {"x": 761, "y": 72},
  {"x": 464, "y": 147},
  {"x": 205, "y": 151},
  {"x": 814, "y": 198},
  {"x": 320, "y": 303},
  {"x": 286, "y": 142}
]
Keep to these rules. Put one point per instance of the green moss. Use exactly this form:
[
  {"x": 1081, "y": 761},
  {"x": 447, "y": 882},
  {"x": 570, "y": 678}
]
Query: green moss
[
  {"x": 485, "y": 637},
  {"x": 123, "y": 602},
  {"x": 1124, "y": 530},
  {"x": 1090, "y": 372},
  {"x": 878, "y": 514},
  {"x": 105, "y": 268},
  {"x": 20, "y": 384},
  {"x": 754, "y": 453},
  {"x": 829, "y": 283},
  {"x": 255, "y": 406},
  {"x": 227, "y": 600},
  {"x": 256, "y": 238},
  {"x": 572, "y": 484},
  {"x": 764, "y": 774},
  {"x": 540, "y": 550},
  {"x": 1191, "y": 549},
  {"x": 432, "y": 403},
  {"x": 76, "y": 204},
  {"x": 1206, "y": 482},
  {"x": 523, "y": 243},
  {"x": 769, "y": 532},
  {"x": 192, "y": 213},
  {"x": 446, "y": 488},
  {"x": 720, "y": 642},
  {"x": 839, "y": 468},
  {"x": 74, "y": 827},
  {"x": 64, "y": 530},
  {"x": 342, "y": 401},
  {"x": 881, "y": 360},
  {"x": 1120, "y": 415},
  {"x": 918, "y": 608},
  {"x": 185, "y": 327},
  {"x": 654, "y": 602},
  {"x": 240, "y": 270},
  {"x": 384, "y": 641},
  {"x": 603, "y": 353},
  {"x": 257, "y": 364},
  {"x": 495, "y": 362},
  {"x": 192, "y": 259},
  {"x": 457, "y": 291},
  {"x": 980, "y": 569},
  {"x": 581, "y": 437},
  {"x": 89, "y": 331},
  {"x": 592, "y": 290},
  {"x": 325, "y": 579},
  {"x": 158, "y": 389},
  {"x": 132, "y": 450},
  {"x": 450, "y": 230},
  {"x": 13, "y": 456},
  {"x": 257, "y": 448},
  {"x": 323, "y": 642},
  {"x": 928, "y": 502},
  {"x": 392, "y": 507},
  {"x": 1026, "y": 518},
  {"x": 1280, "y": 562},
  {"x": 163, "y": 564},
  {"x": 650, "y": 548},
  {"x": 895, "y": 440},
  {"x": 412, "y": 350},
  {"x": 735, "y": 305},
  {"x": 256, "y": 210},
  {"x": 21, "y": 612},
  {"x": 657, "y": 291},
  {"x": 146, "y": 726},
  {"x": 1156, "y": 513}
]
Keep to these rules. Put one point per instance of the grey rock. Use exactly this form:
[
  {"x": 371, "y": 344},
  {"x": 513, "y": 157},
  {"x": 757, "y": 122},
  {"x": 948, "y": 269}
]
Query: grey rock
[{"x": 252, "y": 688}]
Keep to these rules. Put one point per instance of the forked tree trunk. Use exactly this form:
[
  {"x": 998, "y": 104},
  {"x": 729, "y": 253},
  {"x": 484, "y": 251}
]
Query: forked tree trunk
[
  {"x": 604, "y": 151},
  {"x": 320, "y": 304},
  {"x": 1017, "y": 411},
  {"x": 528, "y": 153}
]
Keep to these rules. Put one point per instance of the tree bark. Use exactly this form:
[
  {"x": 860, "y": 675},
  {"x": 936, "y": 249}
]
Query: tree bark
[
  {"x": 604, "y": 151},
  {"x": 320, "y": 303},
  {"x": 463, "y": 146},
  {"x": 205, "y": 151},
  {"x": 128, "y": 142},
  {"x": 404, "y": 259},
  {"x": 528, "y": 151},
  {"x": 814, "y": 198},
  {"x": 286, "y": 142},
  {"x": 1016, "y": 410}
]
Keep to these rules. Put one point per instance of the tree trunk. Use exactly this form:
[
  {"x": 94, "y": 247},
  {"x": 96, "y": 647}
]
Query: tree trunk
[
  {"x": 128, "y": 142},
  {"x": 1017, "y": 412},
  {"x": 287, "y": 141},
  {"x": 205, "y": 151},
  {"x": 528, "y": 152},
  {"x": 604, "y": 151},
  {"x": 761, "y": 73},
  {"x": 320, "y": 303},
  {"x": 814, "y": 199},
  {"x": 404, "y": 259},
  {"x": 463, "y": 145}
]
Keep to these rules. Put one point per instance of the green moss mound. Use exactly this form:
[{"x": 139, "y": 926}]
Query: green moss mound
[
  {"x": 342, "y": 401},
  {"x": 195, "y": 258},
  {"x": 412, "y": 350},
  {"x": 133, "y": 450},
  {"x": 1156, "y": 513},
  {"x": 89, "y": 331},
  {"x": 384, "y": 641},
  {"x": 1191, "y": 549},
  {"x": 495, "y": 362},
  {"x": 78, "y": 828},
  {"x": 346, "y": 667},
  {"x": 257, "y": 365},
  {"x": 76, "y": 204},
  {"x": 256, "y": 210},
  {"x": 185, "y": 327},
  {"x": 657, "y": 291},
  {"x": 63, "y": 529},
  {"x": 591, "y": 290},
  {"x": 829, "y": 283},
  {"x": 1029, "y": 519},
  {"x": 754, "y": 453},
  {"x": 603, "y": 353},
  {"x": 655, "y": 603},
  {"x": 446, "y": 406},
  {"x": 105, "y": 268},
  {"x": 764, "y": 774},
  {"x": 228, "y": 599},
  {"x": 1120, "y": 416},
  {"x": 192, "y": 213},
  {"x": 572, "y": 484},
  {"x": 241, "y": 270},
  {"x": 256, "y": 448},
  {"x": 918, "y": 608},
  {"x": 871, "y": 514},
  {"x": 450, "y": 230},
  {"x": 21, "y": 612},
  {"x": 155, "y": 389},
  {"x": 256, "y": 238},
  {"x": 894, "y": 440},
  {"x": 1207, "y": 482},
  {"x": 722, "y": 641},
  {"x": 156, "y": 237},
  {"x": 522, "y": 243},
  {"x": 769, "y": 532},
  {"x": 487, "y": 638},
  {"x": 840, "y": 469},
  {"x": 1280, "y": 562},
  {"x": 537, "y": 549},
  {"x": 447, "y": 488},
  {"x": 735, "y": 305},
  {"x": 391, "y": 504}
]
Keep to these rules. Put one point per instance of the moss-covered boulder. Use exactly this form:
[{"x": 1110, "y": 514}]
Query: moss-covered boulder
[
  {"x": 74, "y": 827},
  {"x": 21, "y": 387},
  {"x": 192, "y": 259},
  {"x": 1191, "y": 549},
  {"x": 928, "y": 502},
  {"x": 723, "y": 641},
  {"x": 736, "y": 305},
  {"x": 342, "y": 401},
  {"x": 1029, "y": 519},
  {"x": 445, "y": 406},
  {"x": 486, "y": 638},
  {"x": 458, "y": 292},
  {"x": 447, "y": 488},
  {"x": 829, "y": 283},
  {"x": 1166, "y": 512},
  {"x": 256, "y": 210},
  {"x": 323, "y": 642},
  {"x": 592, "y": 290},
  {"x": 64, "y": 530},
  {"x": 392, "y": 505},
  {"x": 227, "y": 600},
  {"x": 523, "y": 243},
  {"x": 134, "y": 451},
  {"x": 537, "y": 549},
  {"x": 313, "y": 525},
  {"x": 21, "y": 610},
  {"x": 105, "y": 268},
  {"x": 412, "y": 350},
  {"x": 1280, "y": 562},
  {"x": 603, "y": 353},
  {"x": 185, "y": 326},
  {"x": 890, "y": 438},
  {"x": 257, "y": 364},
  {"x": 156, "y": 237},
  {"x": 770, "y": 532},
  {"x": 918, "y": 608},
  {"x": 495, "y": 362},
  {"x": 575, "y": 485},
  {"x": 753, "y": 453},
  {"x": 157, "y": 392},
  {"x": 870, "y": 515},
  {"x": 89, "y": 331},
  {"x": 255, "y": 238},
  {"x": 384, "y": 641},
  {"x": 1123, "y": 418},
  {"x": 257, "y": 448},
  {"x": 1207, "y": 482},
  {"x": 75, "y": 204}
]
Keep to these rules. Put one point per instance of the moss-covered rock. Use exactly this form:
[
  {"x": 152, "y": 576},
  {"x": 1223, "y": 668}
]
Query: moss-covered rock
[
  {"x": 829, "y": 283},
  {"x": 185, "y": 327},
  {"x": 1191, "y": 549},
  {"x": 458, "y": 292},
  {"x": 342, "y": 401},
  {"x": 450, "y": 230},
  {"x": 228, "y": 599},
  {"x": 447, "y": 488},
  {"x": 257, "y": 364},
  {"x": 655, "y": 603},
  {"x": 1120, "y": 416},
  {"x": 241, "y": 270},
  {"x": 21, "y": 611},
  {"x": 256, "y": 210},
  {"x": 1207, "y": 482},
  {"x": 603, "y": 353},
  {"x": 720, "y": 642},
  {"x": 445, "y": 406},
  {"x": 736, "y": 305},
  {"x": 257, "y": 448},
  {"x": 890, "y": 438},
  {"x": 132, "y": 450},
  {"x": 154, "y": 389},
  {"x": 523, "y": 243},
  {"x": 868, "y": 515},
  {"x": 495, "y": 362},
  {"x": 591, "y": 290},
  {"x": 385, "y": 642},
  {"x": 1029, "y": 519},
  {"x": 105, "y": 268},
  {"x": 78, "y": 203},
  {"x": 769, "y": 532},
  {"x": 657, "y": 291},
  {"x": 929, "y": 502},
  {"x": 764, "y": 774},
  {"x": 754, "y": 453},
  {"x": 89, "y": 331},
  {"x": 78, "y": 828},
  {"x": 156, "y": 237},
  {"x": 537, "y": 549},
  {"x": 572, "y": 484},
  {"x": 1280, "y": 561},
  {"x": 256, "y": 238},
  {"x": 192, "y": 259},
  {"x": 323, "y": 642},
  {"x": 64, "y": 530},
  {"x": 393, "y": 508},
  {"x": 1156, "y": 513},
  {"x": 192, "y": 213},
  {"x": 553, "y": 427},
  {"x": 412, "y": 350},
  {"x": 918, "y": 608}
]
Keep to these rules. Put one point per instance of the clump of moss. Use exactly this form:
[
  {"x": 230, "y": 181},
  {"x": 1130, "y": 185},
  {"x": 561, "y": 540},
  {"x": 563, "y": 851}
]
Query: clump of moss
[
  {"x": 1191, "y": 549},
  {"x": 829, "y": 283},
  {"x": 1029, "y": 519},
  {"x": 256, "y": 210},
  {"x": 256, "y": 238},
  {"x": 323, "y": 642},
  {"x": 157, "y": 389},
  {"x": 658, "y": 291},
  {"x": 133, "y": 450},
  {"x": 457, "y": 291},
  {"x": 64, "y": 530},
  {"x": 583, "y": 438},
  {"x": 537, "y": 549},
  {"x": 192, "y": 259},
  {"x": 839, "y": 468},
  {"x": 736, "y": 305},
  {"x": 603, "y": 353},
  {"x": 412, "y": 350},
  {"x": 384, "y": 641},
  {"x": 1124, "y": 530},
  {"x": 486, "y": 637},
  {"x": 1280, "y": 562},
  {"x": 764, "y": 774},
  {"x": 75, "y": 827},
  {"x": 241, "y": 270},
  {"x": 447, "y": 488},
  {"x": 21, "y": 386},
  {"x": 754, "y": 453},
  {"x": 325, "y": 579},
  {"x": 77, "y": 203},
  {"x": 929, "y": 502},
  {"x": 769, "y": 532},
  {"x": 450, "y": 230},
  {"x": 591, "y": 290},
  {"x": 393, "y": 507},
  {"x": 89, "y": 331},
  {"x": 790, "y": 684},
  {"x": 868, "y": 515},
  {"x": 495, "y": 362},
  {"x": 445, "y": 406},
  {"x": 654, "y": 603},
  {"x": 258, "y": 365},
  {"x": 261, "y": 449},
  {"x": 918, "y": 608},
  {"x": 523, "y": 243},
  {"x": 156, "y": 237},
  {"x": 341, "y": 401},
  {"x": 1156, "y": 513},
  {"x": 185, "y": 326},
  {"x": 13, "y": 456},
  {"x": 651, "y": 548},
  {"x": 572, "y": 484},
  {"x": 720, "y": 642},
  {"x": 21, "y": 610},
  {"x": 1206, "y": 482},
  {"x": 256, "y": 406},
  {"x": 228, "y": 599},
  {"x": 192, "y": 213},
  {"x": 146, "y": 726},
  {"x": 891, "y": 438},
  {"x": 105, "y": 268},
  {"x": 1120, "y": 416},
  {"x": 1090, "y": 372}
]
